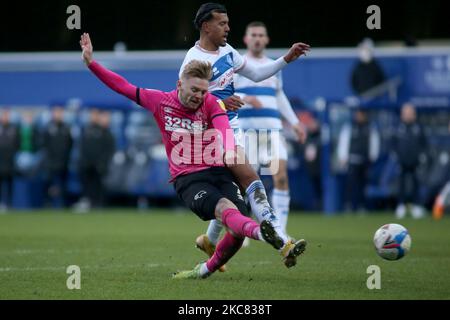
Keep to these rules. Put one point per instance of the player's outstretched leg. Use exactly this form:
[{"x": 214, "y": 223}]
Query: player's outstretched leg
[
  {"x": 226, "y": 248},
  {"x": 242, "y": 226},
  {"x": 204, "y": 243},
  {"x": 257, "y": 197},
  {"x": 239, "y": 227}
]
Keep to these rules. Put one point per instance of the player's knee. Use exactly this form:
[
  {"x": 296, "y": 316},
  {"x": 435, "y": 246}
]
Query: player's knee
[
  {"x": 281, "y": 182},
  {"x": 245, "y": 174},
  {"x": 222, "y": 205}
]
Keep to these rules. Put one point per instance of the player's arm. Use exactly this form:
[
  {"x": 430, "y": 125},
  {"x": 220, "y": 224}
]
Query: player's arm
[
  {"x": 263, "y": 72},
  {"x": 111, "y": 79},
  {"x": 285, "y": 108},
  {"x": 147, "y": 98},
  {"x": 220, "y": 122}
]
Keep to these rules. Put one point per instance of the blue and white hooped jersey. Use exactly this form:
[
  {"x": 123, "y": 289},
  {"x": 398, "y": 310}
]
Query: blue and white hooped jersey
[
  {"x": 268, "y": 116},
  {"x": 225, "y": 62}
]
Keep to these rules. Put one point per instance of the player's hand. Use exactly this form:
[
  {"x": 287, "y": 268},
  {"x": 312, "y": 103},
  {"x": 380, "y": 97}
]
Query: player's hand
[
  {"x": 233, "y": 103},
  {"x": 86, "y": 46},
  {"x": 300, "y": 132},
  {"x": 253, "y": 101},
  {"x": 297, "y": 50}
]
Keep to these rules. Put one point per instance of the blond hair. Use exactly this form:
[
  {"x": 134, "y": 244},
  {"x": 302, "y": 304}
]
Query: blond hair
[{"x": 197, "y": 69}]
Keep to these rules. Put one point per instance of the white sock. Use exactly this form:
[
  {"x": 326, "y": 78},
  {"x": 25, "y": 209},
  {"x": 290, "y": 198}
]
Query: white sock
[
  {"x": 204, "y": 272},
  {"x": 257, "y": 197},
  {"x": 213, "y": 232},
  {"x": 280, "y": 201}
]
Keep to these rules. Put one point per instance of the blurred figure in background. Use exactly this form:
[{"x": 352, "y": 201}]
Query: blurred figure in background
[
  {"x": 57, "y": 145},
  {"x": 311, "y": 155},
  {"x": 9, "y": 146},
  {"x": 265, "y": 106},
  {"x": 29, "y": 134},
  {"x": 96, "y": 150},
  {"x": 358, "y": 146},
  {"x": 27, "y": 162},
  {"x": 367, "y": 73},
  {"x": 409, "y": 145}
]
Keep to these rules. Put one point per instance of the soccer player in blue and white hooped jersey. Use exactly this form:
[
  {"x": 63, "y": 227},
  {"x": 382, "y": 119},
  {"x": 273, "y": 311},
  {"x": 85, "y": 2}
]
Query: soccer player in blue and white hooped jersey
[
  {"x": 212, "y": 22},
  {"x": 265, "y": 104}
]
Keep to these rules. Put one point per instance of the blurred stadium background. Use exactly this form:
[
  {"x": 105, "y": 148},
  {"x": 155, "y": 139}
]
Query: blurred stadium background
[
  {"x": 40, "y": 67},
  {"x": 126, "y": 253}
]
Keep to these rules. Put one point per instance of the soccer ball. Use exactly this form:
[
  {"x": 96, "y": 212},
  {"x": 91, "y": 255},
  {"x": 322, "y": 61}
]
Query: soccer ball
[{"x": 392, "y": 241}]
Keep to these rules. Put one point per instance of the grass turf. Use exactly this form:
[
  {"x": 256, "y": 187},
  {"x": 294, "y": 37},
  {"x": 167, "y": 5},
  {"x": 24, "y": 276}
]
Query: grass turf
[{"x": 128, "y": 255}]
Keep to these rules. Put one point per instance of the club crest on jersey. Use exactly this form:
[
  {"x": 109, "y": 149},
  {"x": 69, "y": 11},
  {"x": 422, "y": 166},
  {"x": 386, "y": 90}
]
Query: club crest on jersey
[{"x": 229, "y": 60}]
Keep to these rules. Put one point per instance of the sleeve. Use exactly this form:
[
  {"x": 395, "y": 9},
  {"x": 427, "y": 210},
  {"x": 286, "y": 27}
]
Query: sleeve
[
  {"x": 113, "y": 80},
  {"x": 222, "y": 124},
  {"x": 149, "y": 98},
  {"x": 260, "y": 73},
  {"x": 238, "y": 60},
  {"x": 284, "y": 106},
  {"x": 144, "y": 97},
  {"x": 219, "y": 120}
]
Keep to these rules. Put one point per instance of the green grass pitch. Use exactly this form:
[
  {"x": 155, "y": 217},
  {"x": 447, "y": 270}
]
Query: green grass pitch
[{"x": 124, "y": 254}]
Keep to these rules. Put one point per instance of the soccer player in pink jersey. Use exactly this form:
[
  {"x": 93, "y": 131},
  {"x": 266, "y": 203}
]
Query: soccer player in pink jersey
[
  {"x": 203, "y": 182},
  {"x": 213, "y": 24}
]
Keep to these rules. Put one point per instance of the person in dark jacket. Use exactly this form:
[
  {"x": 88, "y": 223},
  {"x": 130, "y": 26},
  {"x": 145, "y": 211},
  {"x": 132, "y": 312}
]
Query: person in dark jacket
[
  {"x": 57, "y": 145},
  {"x": 367, "y": 73},
  {"x": 409, "y": 145},
  {"x": 97, "y": 148},
  {"x": 9, "y": 146},
  {"x": 358, "y": 147}
]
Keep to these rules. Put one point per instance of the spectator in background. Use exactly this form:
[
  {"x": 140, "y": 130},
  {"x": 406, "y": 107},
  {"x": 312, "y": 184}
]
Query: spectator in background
[
  {"x": 409, "y": 145},
  {"x": 57, "y": 145},
  {"x": 109, "y": 147},
  {"x": 9, "y": 145},
  {"x": 96, "y": 150},
  {"x": 28, "y": 160},
  {"x": 358, "y": 146},
  {"x": 367, "y": 73},
  {"x": 29, "y": 134},
  {"x": 311, "y": 155}
]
